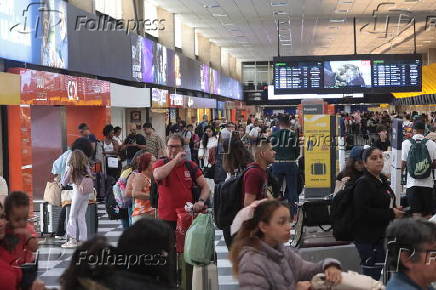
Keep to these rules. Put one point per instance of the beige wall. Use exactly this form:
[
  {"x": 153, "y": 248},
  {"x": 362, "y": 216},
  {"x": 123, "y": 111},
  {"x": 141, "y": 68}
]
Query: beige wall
[
  {"x": 87, "y": 5},
  {"x": 203, "y": 49},
  {"x": 188, "y": 38},
  {"x": 431, "y": 55},
  {"x": 166, "y": 36},
  {"x": 215, "y": 56},
  {"x": 232, "y": 66},
  {"x": 238, "y": 70},
  {"x": 225, "y": 62}
]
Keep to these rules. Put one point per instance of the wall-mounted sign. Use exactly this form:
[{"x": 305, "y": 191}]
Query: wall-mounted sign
[
  {"x": 199, "y": 103},
  {"x": 46, "y": 88},
  {"x": 159, "y": 98},
  {"x": 176, "y": 100}
]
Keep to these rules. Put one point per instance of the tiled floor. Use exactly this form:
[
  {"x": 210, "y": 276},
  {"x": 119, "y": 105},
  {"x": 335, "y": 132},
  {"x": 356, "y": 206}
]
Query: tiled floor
[{"x": 53, "y": 260}]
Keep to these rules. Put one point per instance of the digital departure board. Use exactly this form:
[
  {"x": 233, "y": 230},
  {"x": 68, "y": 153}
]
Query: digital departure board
[
  {"x": 343, "y": 74},
  {"x": 387, "y": 73},
  {"x": 298, "y": 75}
]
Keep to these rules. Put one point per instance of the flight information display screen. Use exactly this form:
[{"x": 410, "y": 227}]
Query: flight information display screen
[
  {"x": 298, "y": 75},
  {"x": 386, "y": 73},
  {"x": 347, "y": 74}
]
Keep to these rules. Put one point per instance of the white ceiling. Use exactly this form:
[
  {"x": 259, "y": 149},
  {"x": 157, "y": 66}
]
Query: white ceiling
[{"x": 309, "y": 27}]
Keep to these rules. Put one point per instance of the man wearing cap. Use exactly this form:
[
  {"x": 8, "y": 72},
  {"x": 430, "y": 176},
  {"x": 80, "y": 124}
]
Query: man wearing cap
[{"x": 419, "y": 191}]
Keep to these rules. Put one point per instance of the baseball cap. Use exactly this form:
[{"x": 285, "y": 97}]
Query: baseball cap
[{"x": 356, "y": 153}]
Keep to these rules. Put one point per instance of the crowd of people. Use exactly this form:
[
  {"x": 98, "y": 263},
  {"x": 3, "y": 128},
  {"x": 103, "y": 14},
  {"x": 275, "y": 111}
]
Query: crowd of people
[{"x": 151, "y": 179}]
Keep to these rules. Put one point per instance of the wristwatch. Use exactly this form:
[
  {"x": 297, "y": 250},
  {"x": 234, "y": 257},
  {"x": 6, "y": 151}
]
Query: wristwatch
[{"x": 202, "y": 200}]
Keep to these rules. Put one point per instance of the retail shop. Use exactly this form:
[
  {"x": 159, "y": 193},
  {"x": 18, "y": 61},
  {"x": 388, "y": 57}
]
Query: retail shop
[
  {"x": 45, "y": 123},
  {"x": 196, "y": 107},
  {"x": 130, "y": 107},
  {"x": 164, "y": 109}
]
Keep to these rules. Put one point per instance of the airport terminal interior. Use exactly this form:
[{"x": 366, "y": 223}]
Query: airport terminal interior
[{"x": 218, "y": 144}]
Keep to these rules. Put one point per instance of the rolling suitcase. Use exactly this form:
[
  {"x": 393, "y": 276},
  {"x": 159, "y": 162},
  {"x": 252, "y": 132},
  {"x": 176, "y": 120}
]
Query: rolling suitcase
[
  {"x": 49, "y": 218},
  {"x": 91, "y": 219},
  {"x": 205, "y": 277}
]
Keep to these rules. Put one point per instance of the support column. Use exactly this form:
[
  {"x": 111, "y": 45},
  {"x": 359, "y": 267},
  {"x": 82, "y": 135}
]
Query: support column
[
  {"x": 188, "y": 41},
  {"x": 166, "y": 36},
  {"x": 86, "y": 5}
]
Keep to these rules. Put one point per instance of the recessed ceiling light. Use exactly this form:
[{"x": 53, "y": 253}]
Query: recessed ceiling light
[
  {"x": 228, "y": 24},
  {"x": 278, "y": 4},
  {"x": 286, "y": 44},
  {"x": 342, "y": 11},
  {"x": 427, "y": 41},
  {"x": 337, "y": 20},
  {"x": 211, "y": 5},
  {"x": 346, "y": 2},
  {"x": 219, "y": 15},
  {"x": 280, "y": 12}
]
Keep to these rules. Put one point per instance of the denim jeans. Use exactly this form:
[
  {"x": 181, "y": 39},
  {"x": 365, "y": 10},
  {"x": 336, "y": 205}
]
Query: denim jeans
[
  {"x": 372, "y": 257},
  {"x": 289, "y": 172}
]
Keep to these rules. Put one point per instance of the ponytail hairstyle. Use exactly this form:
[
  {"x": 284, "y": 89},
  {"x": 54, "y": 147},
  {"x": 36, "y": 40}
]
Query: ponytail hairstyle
[{"x": 249, "y": 235}]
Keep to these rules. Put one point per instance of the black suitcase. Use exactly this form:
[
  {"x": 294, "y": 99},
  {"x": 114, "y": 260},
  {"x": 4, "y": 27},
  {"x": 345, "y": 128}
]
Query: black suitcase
[{"x": 49, "y": 218}]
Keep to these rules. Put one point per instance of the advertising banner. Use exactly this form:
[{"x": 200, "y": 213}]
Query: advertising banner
[
  {"x": 34, "y": 32},
  {"x": 46, "y": 88},
  {"x": 317, "y": 139},
  {"x": 199, "y": 103}
]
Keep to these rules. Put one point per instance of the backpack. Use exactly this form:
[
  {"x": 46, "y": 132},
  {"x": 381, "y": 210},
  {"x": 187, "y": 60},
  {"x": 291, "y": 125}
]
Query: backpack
[
  {"x": 113, "y": 210},
  {"x": 341, "y": 213},
  {"x": 86, "y": 186},
  {"x": 154, "y": 193},
  {"x": 419, "y": 161},
  {"x": 228, "y": 199}
]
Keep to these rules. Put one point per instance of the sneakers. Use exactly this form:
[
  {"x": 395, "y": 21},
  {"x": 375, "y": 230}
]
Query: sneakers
[
  {"x": 60, "y": 237},
  {"x": 71, "y": 243}
]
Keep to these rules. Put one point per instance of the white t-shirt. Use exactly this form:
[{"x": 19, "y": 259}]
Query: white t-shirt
[
  {"x": 248, "y": 128},
  {"x": 255, "y": 132},
  {"x": 431, "y": 146}
]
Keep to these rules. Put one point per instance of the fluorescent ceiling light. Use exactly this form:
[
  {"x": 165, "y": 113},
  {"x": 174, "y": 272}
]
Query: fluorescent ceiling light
[
  {"x": 337, "y": 20},
  {"x": 286, "y": 44},
  {"x": 278, "y": 4},
  {"x": 346, "y": 2},
  {"x": 333, "y": 27},
  {"x": 341, "y": 11},
  {"x": 219, "y": 15},
  {"x": 211, "y": 5},
  {"x": 427, "y": 41},
  {"x": 228, "y": 24},
  {"x": 280, "y": 12}
]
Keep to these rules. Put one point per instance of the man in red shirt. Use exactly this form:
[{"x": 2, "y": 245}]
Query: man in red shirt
[
  {"x": 256, "y": 179},
  {"x": 175, "y": 182}
]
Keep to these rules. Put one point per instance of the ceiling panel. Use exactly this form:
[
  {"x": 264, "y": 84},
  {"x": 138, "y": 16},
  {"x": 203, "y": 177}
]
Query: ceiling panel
[{"x": 249, "y": 27}]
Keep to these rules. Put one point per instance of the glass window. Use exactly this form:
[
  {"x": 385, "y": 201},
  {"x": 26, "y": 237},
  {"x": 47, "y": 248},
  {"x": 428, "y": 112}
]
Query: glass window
[
  {"x": 177, "y": 31},
  {"x": 150, "y": 13},
  {"x": 113, "y": 8}
]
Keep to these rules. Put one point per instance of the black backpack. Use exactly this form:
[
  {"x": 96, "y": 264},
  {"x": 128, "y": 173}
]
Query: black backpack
[
  {"x": 154, "y": 193},
  {"x": 228, "y": 199},
  {"x": 341, "y": 213},
  {"x": 114, "y": 212}
]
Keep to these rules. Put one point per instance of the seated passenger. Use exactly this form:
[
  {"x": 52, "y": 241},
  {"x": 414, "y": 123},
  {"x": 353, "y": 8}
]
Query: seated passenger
[
  {"x": 261, "y": 261},
  {"x": 411, "y": 245}
]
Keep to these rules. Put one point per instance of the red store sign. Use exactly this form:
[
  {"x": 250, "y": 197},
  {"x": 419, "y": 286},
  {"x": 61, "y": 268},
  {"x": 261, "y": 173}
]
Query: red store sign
[{"x": 47, "y": 88}]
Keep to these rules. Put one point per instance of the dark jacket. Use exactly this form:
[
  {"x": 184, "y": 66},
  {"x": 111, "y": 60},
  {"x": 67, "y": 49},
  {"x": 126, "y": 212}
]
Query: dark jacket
[{"x": 372, "y": 212}]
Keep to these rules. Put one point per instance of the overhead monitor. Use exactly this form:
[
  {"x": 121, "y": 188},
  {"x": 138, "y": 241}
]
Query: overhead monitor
[{"x": 342, "y": 74}]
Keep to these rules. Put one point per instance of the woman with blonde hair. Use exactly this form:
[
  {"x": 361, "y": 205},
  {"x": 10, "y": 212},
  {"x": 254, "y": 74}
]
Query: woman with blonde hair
[{"x": 79, "y": 175}]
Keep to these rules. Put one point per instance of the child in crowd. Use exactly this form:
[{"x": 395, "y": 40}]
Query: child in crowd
[
  {"x": 20, "y": 243},
  {"x": 261, "y": 261}
]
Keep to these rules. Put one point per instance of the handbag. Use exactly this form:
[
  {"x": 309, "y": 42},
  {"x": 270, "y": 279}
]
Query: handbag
[
  {"x": 86, "y": 186},
  {"x": 209, "y": 172},
  {"x": 112, "y": 162},
  {"x": 184, "y": 221},
  {"x": 52, "y": 193},
  {"x": 67, "y": 196}
]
